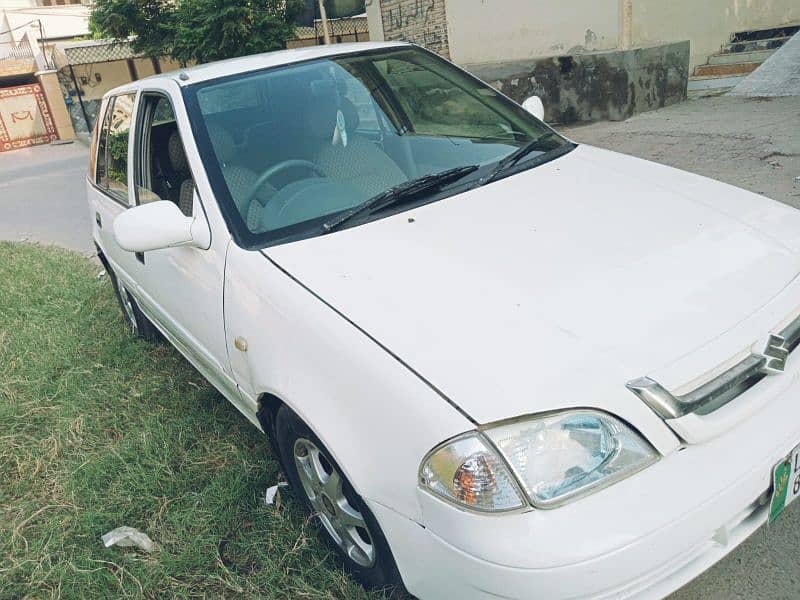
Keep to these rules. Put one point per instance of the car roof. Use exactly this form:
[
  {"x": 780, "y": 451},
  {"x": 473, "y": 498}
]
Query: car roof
[{"x": 244, "y": 64}]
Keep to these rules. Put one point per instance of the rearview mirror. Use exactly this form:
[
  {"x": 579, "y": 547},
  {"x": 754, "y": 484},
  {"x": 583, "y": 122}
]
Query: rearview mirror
[
  {"x": 158, "y": 225},
  {"x": 535, "y": 106}
]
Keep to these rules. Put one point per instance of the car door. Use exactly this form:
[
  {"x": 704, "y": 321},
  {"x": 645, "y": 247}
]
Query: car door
[
  {"x": 179, "y": 289},
  {"x": 107, "y": 180}
]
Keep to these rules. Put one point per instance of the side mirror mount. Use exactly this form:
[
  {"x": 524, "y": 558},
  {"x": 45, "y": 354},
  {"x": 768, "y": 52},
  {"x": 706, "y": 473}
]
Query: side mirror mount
[
  {"x": 158, "y": 225},
  {"x": 535, "y": 106}
]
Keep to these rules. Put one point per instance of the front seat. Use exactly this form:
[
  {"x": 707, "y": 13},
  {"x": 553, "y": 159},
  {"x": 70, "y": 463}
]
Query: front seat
[
  {"x": 240, "y": 179},
  {"x": 180, "y": 168},
  {"x": 361, "y": 162}
]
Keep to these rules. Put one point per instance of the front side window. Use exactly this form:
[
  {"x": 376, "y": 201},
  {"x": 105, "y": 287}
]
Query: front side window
[
  {"x": 164, "y": 172},
  {"x": 290, "y": 150}
]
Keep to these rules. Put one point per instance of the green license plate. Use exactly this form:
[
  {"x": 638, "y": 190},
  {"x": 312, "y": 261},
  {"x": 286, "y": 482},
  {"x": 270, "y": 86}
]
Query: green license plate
[{"x": 785, "y": 483}]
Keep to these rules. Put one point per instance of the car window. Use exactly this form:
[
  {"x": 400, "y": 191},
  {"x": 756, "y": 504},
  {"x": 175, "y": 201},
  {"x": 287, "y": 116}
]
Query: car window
[
  {"x": 164, "y": 172},
  {"x": 357, "y": 93},
  {"x": 101, "y": 173},
  {"x": 438, "y": 106},
  {"x": 289, "y": 148}
]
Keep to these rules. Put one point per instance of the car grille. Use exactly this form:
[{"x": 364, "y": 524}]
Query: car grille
[{"x": 726, "y": 386}]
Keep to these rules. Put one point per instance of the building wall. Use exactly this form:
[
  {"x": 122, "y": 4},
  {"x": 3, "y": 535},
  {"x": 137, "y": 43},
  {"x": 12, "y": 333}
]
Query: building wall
[
  {"x": 480, "y": 31},
  {"x": 423, "y": 22},
  {"x": 483, "y": 32},
  {"x": 707, "y": 23}
]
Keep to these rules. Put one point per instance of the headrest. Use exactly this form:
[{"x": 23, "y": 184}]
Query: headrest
[
  {"x": 322, "y": 117},
  {"x": 177, "y": 157},
  {"x": 223, "y": 143}
]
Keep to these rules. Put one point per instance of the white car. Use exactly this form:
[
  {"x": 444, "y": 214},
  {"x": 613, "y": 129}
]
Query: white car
[{"x": 493, "y": 362}]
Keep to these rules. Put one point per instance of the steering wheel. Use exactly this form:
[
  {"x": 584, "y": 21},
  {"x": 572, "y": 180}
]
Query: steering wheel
[{"x": 274, "y": 170}]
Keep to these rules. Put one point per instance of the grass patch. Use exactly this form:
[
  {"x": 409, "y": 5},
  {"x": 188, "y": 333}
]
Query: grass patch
[{"x": 99, "y": 430}]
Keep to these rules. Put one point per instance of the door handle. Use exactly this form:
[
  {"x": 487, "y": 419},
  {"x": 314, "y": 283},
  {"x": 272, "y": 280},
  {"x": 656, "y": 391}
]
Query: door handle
[
  {"x": 139, "y": 256},
  {"x": 98, "y": 219}
]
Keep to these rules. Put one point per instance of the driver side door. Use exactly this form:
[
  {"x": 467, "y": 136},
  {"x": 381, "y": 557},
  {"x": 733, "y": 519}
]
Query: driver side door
[{"x": 179, "y": 288}]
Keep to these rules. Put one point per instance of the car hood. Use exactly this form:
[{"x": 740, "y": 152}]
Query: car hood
[{"x": 554, "y": 287}]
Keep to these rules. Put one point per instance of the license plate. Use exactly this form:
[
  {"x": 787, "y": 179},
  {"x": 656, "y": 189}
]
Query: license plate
[{"x": 785, "y": 483}]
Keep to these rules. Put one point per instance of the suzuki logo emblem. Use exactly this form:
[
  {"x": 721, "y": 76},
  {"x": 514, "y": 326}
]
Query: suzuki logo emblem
[{"x": 776, "y": 354}]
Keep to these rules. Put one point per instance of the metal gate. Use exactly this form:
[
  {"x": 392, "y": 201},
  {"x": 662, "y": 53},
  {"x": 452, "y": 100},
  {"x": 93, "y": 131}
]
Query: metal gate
[{"x": 24, "y": 118}]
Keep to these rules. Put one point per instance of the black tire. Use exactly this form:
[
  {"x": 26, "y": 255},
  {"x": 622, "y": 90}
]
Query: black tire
[
  {"x": 382, "y": 573},
  {"x": 138, "y": 324}
]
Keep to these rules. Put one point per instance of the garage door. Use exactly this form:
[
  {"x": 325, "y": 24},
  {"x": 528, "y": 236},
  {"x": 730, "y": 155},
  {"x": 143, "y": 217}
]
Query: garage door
[{"x": 24, "y": 118}]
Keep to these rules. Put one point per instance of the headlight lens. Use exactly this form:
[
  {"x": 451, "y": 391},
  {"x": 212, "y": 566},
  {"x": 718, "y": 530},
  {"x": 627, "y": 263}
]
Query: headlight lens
[
  {"x": 466, "y": 471},
  {"x": 560, "y": 456}
]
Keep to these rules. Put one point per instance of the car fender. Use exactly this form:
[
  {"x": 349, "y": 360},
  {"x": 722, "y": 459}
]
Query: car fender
[{"x": 376, "y": 416}]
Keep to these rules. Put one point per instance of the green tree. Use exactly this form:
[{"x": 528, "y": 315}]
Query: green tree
[{"x": 197, "y": 30}]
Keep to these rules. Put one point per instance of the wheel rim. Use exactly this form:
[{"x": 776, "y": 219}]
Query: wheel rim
[
  {"x": 127, "y": 307},
  {"x": 322, "y": 484}
]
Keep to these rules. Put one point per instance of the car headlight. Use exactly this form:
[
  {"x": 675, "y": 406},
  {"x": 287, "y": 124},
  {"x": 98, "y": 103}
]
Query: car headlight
[
  {"x": 553, "y": 458},
  {"x": 467, "y": 471}
]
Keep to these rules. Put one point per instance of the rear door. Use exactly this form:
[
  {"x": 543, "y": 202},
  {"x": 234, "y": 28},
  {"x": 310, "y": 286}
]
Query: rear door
[{"x": 108, "y": 185}]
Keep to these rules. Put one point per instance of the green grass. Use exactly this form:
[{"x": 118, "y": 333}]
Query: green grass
[{"x": 99, "y": 430}]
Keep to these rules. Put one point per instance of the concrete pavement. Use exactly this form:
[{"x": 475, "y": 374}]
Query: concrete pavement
[{"x": 43, "y": 196}]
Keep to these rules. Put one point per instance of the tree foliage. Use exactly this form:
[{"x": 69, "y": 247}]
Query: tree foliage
[{"x": 197, "y": 30}]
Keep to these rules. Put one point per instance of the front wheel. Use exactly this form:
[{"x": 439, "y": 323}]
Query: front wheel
[{"x": 345, "y": 522}]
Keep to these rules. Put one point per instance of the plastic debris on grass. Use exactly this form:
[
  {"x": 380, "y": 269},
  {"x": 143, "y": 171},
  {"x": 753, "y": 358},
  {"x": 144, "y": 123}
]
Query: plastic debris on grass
[
  {"x": 126, "y": 537},
  {"x": 272, "y": 492}
]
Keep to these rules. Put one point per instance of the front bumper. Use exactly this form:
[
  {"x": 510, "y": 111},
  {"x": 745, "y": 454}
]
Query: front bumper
[{"x": 645, "y": 536}]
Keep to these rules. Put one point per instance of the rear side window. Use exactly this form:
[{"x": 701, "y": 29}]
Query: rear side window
[
  {"x": 101, "y": 131},
  {"x": 112, "y": 147}
]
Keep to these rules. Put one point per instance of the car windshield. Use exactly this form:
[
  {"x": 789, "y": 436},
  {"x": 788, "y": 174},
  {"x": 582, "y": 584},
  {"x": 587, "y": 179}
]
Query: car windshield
[{"x": 290, "y": 149}]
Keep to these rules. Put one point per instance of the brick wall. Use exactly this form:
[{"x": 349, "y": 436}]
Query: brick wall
[{"x": 423, "y": 22}]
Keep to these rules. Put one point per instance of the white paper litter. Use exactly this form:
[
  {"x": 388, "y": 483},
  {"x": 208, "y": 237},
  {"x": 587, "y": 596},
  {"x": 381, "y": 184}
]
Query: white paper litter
[
  {"x": 126, "y": 537},
  {"x": 269, "y": 497}
]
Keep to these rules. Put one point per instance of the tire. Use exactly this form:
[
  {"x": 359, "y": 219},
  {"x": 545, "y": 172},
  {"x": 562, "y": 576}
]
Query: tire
[
  {"x": 138, "y": 324},
  {"x": 344, "y": 521}
]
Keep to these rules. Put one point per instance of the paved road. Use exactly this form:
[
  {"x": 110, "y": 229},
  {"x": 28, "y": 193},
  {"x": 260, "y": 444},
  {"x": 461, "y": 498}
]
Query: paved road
[
  {"x": 750, "y": 143},
  {"x": 43, "y": 198}
]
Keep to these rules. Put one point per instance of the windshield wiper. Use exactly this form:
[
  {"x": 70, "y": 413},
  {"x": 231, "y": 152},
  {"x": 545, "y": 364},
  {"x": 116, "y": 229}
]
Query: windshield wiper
[
  {"x": 514, "y": 158},
  {"x": 407, "y": 189}
]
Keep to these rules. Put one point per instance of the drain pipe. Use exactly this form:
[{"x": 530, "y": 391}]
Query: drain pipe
[{"x": 80, "y": 99}]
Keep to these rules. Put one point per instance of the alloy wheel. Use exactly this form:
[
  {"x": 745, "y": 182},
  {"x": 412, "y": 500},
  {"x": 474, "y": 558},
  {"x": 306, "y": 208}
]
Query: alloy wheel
[{"x": 322, "y": 484}]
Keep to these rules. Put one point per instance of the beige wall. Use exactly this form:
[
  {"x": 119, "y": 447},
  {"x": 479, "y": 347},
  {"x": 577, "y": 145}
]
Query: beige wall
[
  {"x": 484, "y": 31},
  {"x": 55, "y": 100},
  {"x": 481, "y": 31},
  {"x": 707, "y": 23},
  {"x": 112, "y": 74},
  {"x": 144, "y": 67}
]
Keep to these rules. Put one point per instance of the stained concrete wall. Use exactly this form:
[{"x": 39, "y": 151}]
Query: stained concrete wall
[
  {"x": 600, "y": 85},
  {"x": 482, "y": 32},
  {"x": 707, "y": 23}
]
